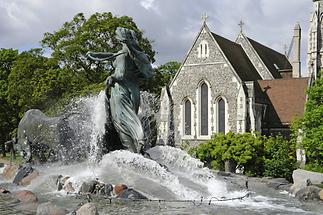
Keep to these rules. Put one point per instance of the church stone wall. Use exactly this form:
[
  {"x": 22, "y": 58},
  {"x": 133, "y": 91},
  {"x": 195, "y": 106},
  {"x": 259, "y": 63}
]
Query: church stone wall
[{"x": 215, "y": 71}]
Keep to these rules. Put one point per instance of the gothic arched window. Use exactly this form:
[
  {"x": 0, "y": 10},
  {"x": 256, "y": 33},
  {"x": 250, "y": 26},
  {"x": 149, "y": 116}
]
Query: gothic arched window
[
  {"x": 187, "y": 117},
  {"x": 221, "y": 115},
  {"x": 204, "y": 107}
]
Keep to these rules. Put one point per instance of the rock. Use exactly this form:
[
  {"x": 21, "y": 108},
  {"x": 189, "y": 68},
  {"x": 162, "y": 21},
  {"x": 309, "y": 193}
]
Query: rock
[
  {"x": 10, "y": 171},
  {"x": 131, "y": 194},
  {"x": 49, "y": 209},
  {"x": 26, "y": 196},
  {"x": 300, "y": 176},
  {"x": 59, "y": 182},
  {"x": 118, "y": 188},
  {"x": 308, "y": 193},
  {"x": 68, "y": 187},
  {"x": 106, "y": 190},
  {"x": 27, "y": 180},
  {"x": 88, "y": 187},
  {"x": 276, "y": 183},
  {"x": 1, "y": 165},
  {"x": 22, "y": 172},
  {"x": 3, "y": 190},
  {"x": 87, "y": 209},
  {"x": 321, "y": 194}
]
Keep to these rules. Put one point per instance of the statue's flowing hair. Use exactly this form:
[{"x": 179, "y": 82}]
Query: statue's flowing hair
[{"x": 139, "y": 57}]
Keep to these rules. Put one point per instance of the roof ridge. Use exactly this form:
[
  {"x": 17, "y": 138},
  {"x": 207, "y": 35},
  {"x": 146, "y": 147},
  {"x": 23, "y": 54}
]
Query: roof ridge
[{"x": 265, "y": 46}]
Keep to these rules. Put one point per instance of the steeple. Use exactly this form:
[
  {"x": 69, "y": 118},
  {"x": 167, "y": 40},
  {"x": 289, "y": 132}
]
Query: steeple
[{"x": 296, "y": 61}]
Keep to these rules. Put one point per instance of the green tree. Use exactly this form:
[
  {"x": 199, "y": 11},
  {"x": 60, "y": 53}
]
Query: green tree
[
  {"x": 75, "y": 38},
  {"x": 8, "y": 120},
  {"x": 279, "y": 158},
  {"x": 162, "y": 76},
  {"x": 311, "y": 126},
  {"x": 244, "y": 150},
  {"x": 38, "y": 82}
]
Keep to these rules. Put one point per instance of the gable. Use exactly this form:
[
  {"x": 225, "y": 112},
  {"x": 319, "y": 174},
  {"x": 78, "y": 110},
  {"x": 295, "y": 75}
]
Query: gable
[
  {"x": 238, "y": 59},
  {"x": 214, "y": 54},
  {"x": 254, "y": 58}
]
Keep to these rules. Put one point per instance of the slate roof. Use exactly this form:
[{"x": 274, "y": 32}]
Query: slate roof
[
  {"x": 285, "y": 99},
  {"x": 271, "y": 57},
  {"x": 238, "y": 59}
]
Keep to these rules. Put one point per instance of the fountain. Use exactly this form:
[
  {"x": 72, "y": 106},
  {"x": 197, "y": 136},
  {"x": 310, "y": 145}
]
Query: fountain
[{"x": 80, "y": 146}]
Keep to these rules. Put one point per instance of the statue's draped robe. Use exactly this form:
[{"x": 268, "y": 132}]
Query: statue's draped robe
[{"x": 125, "y": 96}]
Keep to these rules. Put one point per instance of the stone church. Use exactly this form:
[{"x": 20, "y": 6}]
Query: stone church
[{"x": 239, "y": 86}]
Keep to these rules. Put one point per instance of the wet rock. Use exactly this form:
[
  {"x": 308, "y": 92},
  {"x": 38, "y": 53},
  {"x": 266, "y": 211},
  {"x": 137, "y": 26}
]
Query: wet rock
[
  {"x": 68, "y": 187},
  {"x": 118, "y": 188},
  {"x": 88, "y": 187},
  {"x": 87, "y": 209},
  {"x": 26, "y": 196},
  {"x": 131, "y": 194},
  {"x": 300, "y": 176},
  {"x": 105, "y": 190},
  {"x": 321, "y": 194},
  {"x": 49, "y": 209},
  {"x": 63, "y": 183},
  {"x": 22, "y": 172},
  {"x": 59, "y": 182},
  {"x": 27, "y": 180},
  {"x": 308, "y": 193},
  {"x": 276, "y": 183},
  {"x": 10, "y": 171},
  {"x": 3, "y": 190}
]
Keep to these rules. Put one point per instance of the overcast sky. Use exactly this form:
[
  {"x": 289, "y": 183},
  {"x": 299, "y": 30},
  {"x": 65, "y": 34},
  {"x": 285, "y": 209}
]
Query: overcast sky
[{"x": 171, "y": 24}]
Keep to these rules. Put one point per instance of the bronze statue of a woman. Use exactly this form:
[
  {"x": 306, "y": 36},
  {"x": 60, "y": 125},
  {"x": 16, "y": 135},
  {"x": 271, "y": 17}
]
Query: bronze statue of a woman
[{"x": 130, "y": 64}]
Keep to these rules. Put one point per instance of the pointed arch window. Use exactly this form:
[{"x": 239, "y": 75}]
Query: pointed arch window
[
  {"x": 187, "y": 117},
  {"x": 221, "y": 115},
  {"x": 204, "y": 107}
]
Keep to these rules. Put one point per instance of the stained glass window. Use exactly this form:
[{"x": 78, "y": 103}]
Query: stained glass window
[
  {"x": 221, "y": 115},
  {"x": 204, "y": 109},
  {"x": 187, "y": 117}
]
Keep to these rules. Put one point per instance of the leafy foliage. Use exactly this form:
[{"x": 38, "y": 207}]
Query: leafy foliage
[
  {"x": 311, "y": 126},
  {"x": 244, "y": 149},
  {"x": 162, "y": 76},
  {"x": 256, "y": 154},
  {"x": 279, "y": 158},
  {"x": 8, "y": 119}
]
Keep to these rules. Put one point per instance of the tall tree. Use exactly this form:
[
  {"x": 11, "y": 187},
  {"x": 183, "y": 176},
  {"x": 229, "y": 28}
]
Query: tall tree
[
  {"x": 75, "y": 38},
  {"x": 162, "y": 77},
  {"x": 312, "y": 126},
  {"x": 7, "y": 111},
  {"x": 37, "y": 82}
]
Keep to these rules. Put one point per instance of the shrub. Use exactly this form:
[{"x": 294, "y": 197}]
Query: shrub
[
  {"x": 242, "y": 149},
  {"x": 257, "y": 155},
  {"x": 279, "y": 157}
]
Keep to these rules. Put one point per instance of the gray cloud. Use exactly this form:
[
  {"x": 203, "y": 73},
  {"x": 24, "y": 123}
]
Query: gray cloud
[{"x": 171, "y": 24}]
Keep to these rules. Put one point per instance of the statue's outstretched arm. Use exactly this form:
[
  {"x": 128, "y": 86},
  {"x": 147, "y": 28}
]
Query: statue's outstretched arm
[{"x": 100, "y": 56}]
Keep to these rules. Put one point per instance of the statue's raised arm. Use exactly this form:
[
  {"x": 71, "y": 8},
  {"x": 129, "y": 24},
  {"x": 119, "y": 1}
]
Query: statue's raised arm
[{"x": 103, "y": 56}]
